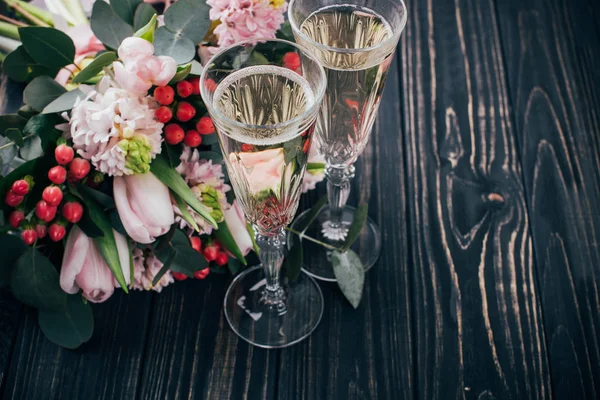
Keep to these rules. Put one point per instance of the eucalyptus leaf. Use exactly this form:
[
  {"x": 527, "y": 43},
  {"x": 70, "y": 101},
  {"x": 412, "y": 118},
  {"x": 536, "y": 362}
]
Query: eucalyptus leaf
[
  {"x": 42, "y": 91},
  {"x": 143, "y": 14},
  {"x": 358, "y": 221},
  {"x": 34, "y": 281},
  {"x": 8, "y": 121},
  {"x": 350, "y": 275},
  {"x": 43, "y": 125},
  {"x": 8, "y": 258},
  {"x": 125, "y": 9},
  {"x": 95, "y": 67},
  {"x": 32, "y": 148},
  {"x": 48, "y": 46},
  {"x": 8, "y": 153},
  {"x": 64, "y": 102},
  {"x": 108, "y": 26},
  {"x": 26, "y": 111},
  {"x": 21, "y": 67},
  {"x": 167, "y": 43},
  {"x": 70, "y": 326},
  {"x": 15, "y": 135},
  {"x": 189, "y": 18}
]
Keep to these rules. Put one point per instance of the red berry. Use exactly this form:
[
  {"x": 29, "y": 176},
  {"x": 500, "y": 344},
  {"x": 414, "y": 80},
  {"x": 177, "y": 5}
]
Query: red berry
[
  {"x": 185, "y": 111},
  {"x": 203, "y": 273},
  {"x": 192, "y": 138},
  {"x": 15, "y": 218},
  {"x": 205, "y": 126},
  {"x": 56, "y": 232},
  {"x": 57, "y": 175},
  {"x": 163, "y": 114},
  {"x": 179, "y": 276},
  {"x": 63, "y": 154},
  {"x": 164, "y": 95},
  {"x": 52, "y": 195},
  {"x": 246, "y": 148},
  {"x": 79, "y": 168},
  {"x": 174, "y": 133},
  {"x": 291, "y": 60},
  {"x": 20, "y": 187},
  {"x": 44, "y": 211},
  {"x": 196, "y": 243},
  {"x": 12, "y": 199},
  {"x": 210, "y": 84},
  {"x": 184, "y": 88},
  {"x": 210, "y": 252},
  {"x": 29, "y": 236},
  {"x": 72, "y": 211},
  {"x": 41, "y": 230},
  {"x": 195, "y": 82},
  {"x": 221, "y": 258}
]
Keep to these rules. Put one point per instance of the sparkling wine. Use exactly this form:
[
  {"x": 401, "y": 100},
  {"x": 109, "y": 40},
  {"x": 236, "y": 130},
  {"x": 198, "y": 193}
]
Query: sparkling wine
[
  {"x": 356, "y": 69},
  {"x": 266, "y": 153}
]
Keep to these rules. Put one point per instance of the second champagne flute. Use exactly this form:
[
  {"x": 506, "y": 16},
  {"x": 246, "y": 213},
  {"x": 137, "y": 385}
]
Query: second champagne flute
[
  {"x": 264, "y": 115},
  {"x": 355, "y": 42}
]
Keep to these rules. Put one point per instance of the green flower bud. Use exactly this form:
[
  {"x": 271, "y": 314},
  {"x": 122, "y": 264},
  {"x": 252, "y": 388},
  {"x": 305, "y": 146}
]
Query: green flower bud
[{"x": 137, "y": 154}]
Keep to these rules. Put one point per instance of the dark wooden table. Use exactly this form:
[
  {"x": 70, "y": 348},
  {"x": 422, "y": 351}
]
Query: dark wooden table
[{"x": 483, "y": 173}]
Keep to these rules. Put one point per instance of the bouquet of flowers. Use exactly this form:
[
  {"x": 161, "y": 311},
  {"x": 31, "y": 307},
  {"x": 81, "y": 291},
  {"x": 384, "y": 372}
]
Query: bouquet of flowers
[{"x": 112, "y": 173}]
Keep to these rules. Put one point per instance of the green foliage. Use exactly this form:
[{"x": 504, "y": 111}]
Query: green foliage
[
  {"x": 108, "y": 26},
  {"x": 224, "y": 236},
  {"x": 69, "y": 326},
  {"x": 358, "y": 221},
  {"x": 350, "y": 275},
  {"x": 21, "y": 67},
  {"x": 178, "y": 255},
  {"x": 167, "y": 43},
  {"x": 185, "y": 214},
  {"x": 147, "y": 31},
  {"x": 13, "y": 248},
  {"x": 182, "y": 72},
  {"x": 43, "y": 125},
  {"x": 95, "y": 67},
  {"x": 32, "y": 148},
  {"x": 42, "y": 91},
  {"x": 125, "y": 9},
  {"x": 143, "y": 14},
  {"x": 48, "y": 46},
  {"x": 64, "y": 102}
]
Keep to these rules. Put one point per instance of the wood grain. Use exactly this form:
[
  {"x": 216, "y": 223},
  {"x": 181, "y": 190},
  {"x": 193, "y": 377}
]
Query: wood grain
[
  {"x": 107, "y": 367},
  {"x": 192, "y": 352},
  {"x": 365, "y": 353},
  {"x": 553, "y": 64},
  {"x": 478, "y": 327}
]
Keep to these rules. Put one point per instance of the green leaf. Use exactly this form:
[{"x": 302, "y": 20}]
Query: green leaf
[
  {"x": 48, "y": 46},
  {"x": 172, "y": 154},
  {"x": 350, "y": 275},
  {"x": 64, "y": 102},
  {"x": 70, "y": 326},
  {"x": 95, "y": 67},
  {"x": 197, "y": 68},
  {"x": 293, "y": 261},
  {"x": 107, "y": 26},
  {"x": 117, "y": 224},
  {"x": 358, "y": 221},
  {"x": 285, "y": 32},
  {"x": 185, "y": 214},
  {"x": 215, "y": 157},
  {"x": 20, "y": 67},
  {"x": 143, "y": 14},
  {"x": 182, "y": 72},
  {"x": 15, "y": 135},
  {"x": 26, "y": 111},
  {"x": 32, "y": 148},
  {"x": 185, "y": 259},
  {"x": 43, "y": 125},
  {"x": 171, "y": 178},
  {"x": 34, "y": 281},
  {"x": 188, "y": 18},
  {"x": 166, "y": 265},
  {"x": 8, "y": 258},
  {"x": 106, "y": 243},
  {"x": 8, "y": 153},
  {"x": 167, "y": 43},
  {"x": 99, "y": 197},
  {"x": 8, "y": 121},
  {"x": 42, "y": 91},
  {"x": 147, "y": 31},
  {"x": 314, "y": 211},
  {"x": 234, "y": 266},
  {"x": 291, "y": 148},
  {"x": 224, "y": 236},
  {"x": 125, "y": 9}
]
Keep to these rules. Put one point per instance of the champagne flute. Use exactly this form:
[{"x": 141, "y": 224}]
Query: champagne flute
[
  {"x": 355, "y": 42},
  {"x": 264, "y": 116}
]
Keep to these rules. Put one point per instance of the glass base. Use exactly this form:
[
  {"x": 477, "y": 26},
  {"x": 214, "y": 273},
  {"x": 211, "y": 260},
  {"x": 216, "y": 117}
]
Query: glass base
[
  {"x": 272, "y": 325},
  {"x": 317, "y": 259}
]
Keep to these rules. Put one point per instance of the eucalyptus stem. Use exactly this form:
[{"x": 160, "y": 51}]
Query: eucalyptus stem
[
  {"x": 7, "y": 145},
  {"x": 310, "y": 239}
]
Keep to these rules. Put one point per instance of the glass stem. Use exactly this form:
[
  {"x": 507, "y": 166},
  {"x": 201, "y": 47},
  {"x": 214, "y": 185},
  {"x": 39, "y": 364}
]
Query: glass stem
[
  {"x": 271, "y": 256},
  {"x": 338, "y": 190}
]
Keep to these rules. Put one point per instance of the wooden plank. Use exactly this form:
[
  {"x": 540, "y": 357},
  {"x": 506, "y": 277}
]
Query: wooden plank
[
  {"x": 192, "y": 352},
  {"x": 553, "y": 65},
  {"x": 478, "y": 325},
  {"x": 108, "y": 366},
  {"x": 365, "y": 353}
]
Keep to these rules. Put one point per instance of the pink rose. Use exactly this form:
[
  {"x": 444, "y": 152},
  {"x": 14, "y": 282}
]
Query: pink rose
[
  {"x": 234, "y": 216},
  {"x": 144, "y": 205},
  {"x": 84, "y": 268},
  {"x": 133, "y": 49},
  {"x": 262, "y": 169}
]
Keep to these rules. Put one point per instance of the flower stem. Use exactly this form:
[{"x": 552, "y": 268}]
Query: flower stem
[
  {"x": 34, "y": 14},
  {"x": 13, "y": 22},
  {"x": 310, "y": 239}
]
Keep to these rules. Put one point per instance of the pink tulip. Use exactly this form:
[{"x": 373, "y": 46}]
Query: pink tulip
[
  {"x": 234, "y": 216},
  {"x": 144, "y": 205},
  {"x": 133, "y": 49},
  {"x": 262, "y": 169},
  {"x": 84, "y": 268}
]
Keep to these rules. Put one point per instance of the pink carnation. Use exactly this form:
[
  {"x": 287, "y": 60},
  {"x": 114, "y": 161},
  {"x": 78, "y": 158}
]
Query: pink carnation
[{"x": 245, "y": 19}]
